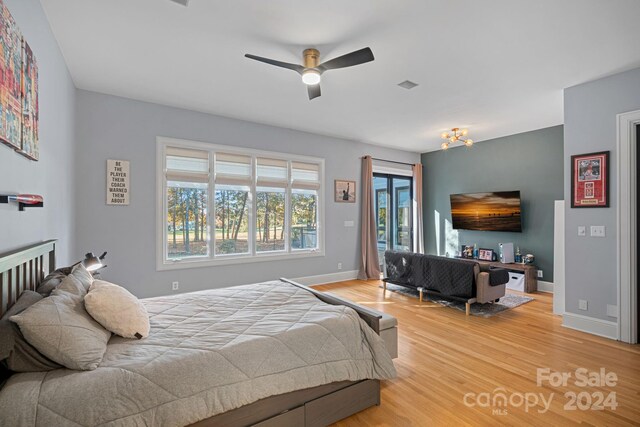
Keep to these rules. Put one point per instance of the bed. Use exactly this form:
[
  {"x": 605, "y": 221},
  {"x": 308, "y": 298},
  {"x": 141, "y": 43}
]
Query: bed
[{"x": 269, "y": 354}]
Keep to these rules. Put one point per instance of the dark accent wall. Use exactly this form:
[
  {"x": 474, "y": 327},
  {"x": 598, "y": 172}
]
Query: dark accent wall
[{"x": 530, "y": 162}]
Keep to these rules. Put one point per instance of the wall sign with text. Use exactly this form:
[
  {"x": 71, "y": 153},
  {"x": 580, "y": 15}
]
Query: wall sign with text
[{"x": 118, "y": 184}]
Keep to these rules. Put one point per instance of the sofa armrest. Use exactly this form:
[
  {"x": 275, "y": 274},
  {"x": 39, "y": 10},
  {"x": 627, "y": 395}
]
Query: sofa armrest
[{"x": 485, "y": 292}]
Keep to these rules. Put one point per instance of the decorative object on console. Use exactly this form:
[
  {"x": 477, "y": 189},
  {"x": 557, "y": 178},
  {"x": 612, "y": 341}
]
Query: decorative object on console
[
  {"x": 467, "y": 251},
  {"x": 345, "y": 191},
  {"x": 506, "y": 253},
  {"x": 456, "y": 135},
  {"x": 23, "y": 200},
  {"x": 590, "y": 180},
  {"x": 19, "y": 102},
  {"x": 485, "y": 254}
]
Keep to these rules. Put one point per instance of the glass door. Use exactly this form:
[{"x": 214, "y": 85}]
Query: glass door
[{"x": 394, "y": 212}]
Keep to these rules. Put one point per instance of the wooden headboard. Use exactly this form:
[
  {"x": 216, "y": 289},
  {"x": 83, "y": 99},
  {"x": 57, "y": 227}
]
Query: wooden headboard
[{"x": 23, "y": 269}]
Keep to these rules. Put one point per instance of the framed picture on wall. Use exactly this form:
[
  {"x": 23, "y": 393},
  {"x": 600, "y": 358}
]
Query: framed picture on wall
[
  {"x": 345, "y": 191},
  {"x": 590, "y": 180}
]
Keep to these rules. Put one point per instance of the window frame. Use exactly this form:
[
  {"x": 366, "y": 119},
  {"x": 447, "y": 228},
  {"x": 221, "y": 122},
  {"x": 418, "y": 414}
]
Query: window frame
[{"x": 163, "y": 262}]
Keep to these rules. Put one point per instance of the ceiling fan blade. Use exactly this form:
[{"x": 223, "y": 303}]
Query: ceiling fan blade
[
  {"x": 349, "y": 60},
  {"x": 295, "y": 67},
  {"x": 314, "y": 91}
]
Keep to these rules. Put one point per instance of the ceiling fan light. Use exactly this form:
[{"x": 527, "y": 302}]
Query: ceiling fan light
[{"x": 310, "y": 77}]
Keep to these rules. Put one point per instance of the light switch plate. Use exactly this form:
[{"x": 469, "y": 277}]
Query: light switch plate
[
  {"x": 597, "y": 231},
  {"x": 349, "y": 223},
  {"x": 582, "y": 230}
]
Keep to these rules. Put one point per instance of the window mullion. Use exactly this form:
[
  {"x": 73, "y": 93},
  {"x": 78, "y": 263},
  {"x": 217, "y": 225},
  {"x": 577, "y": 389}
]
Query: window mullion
[
  {"x": 253, "y": 213},
  {"x": 287, "y": 211},
  {"x": 211, "y": 207}
]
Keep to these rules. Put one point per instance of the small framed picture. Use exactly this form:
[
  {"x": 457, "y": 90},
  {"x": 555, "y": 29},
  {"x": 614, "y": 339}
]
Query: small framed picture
[
  {"x": 590, "y": 180},
  {"x": 485, "y": 254},
  {"x": 466, "y": 251},
  {"x": 345, "y": 191}
]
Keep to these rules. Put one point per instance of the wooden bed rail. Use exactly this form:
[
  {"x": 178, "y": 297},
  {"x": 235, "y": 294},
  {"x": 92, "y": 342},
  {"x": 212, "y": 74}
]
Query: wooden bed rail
[{"x": 23, "y": 269}]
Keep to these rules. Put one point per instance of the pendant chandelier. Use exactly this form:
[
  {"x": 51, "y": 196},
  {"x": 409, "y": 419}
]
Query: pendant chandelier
[{"x": 456, "y": 135}]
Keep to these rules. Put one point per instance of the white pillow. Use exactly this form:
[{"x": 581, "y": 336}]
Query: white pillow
[{"x": 117, "y": 310}]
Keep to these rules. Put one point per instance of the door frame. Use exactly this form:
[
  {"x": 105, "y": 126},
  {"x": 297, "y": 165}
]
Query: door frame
[
  {"x": 627, "y": 226},
  {"x": 390, "y": 198}
]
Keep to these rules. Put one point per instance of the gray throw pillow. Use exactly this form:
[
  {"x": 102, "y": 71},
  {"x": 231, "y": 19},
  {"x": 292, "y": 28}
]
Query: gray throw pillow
[
  {"x": 60, "y": 328},
  {"x": 15, "y": 352},
  {"x": 51, "y": 282},
  {"x": 83, "y": 275}
]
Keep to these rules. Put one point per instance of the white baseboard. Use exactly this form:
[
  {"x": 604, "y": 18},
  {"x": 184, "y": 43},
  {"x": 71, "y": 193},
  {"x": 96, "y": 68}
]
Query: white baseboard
[
  {"x": 327, "y": 278},
  {"x": 602, "y": 328},
  {"x": 545, "y": 286}
]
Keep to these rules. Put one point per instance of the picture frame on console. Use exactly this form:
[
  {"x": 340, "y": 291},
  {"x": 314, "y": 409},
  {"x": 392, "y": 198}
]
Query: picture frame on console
[
  {"x": 590, "y": 180},
  {"x": 485, "y": 254}
]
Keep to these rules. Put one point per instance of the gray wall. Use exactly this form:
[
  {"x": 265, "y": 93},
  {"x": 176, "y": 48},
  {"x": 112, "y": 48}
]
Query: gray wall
[
  {"x": 53, "y": 175},
  {"x": 117, "y": 128},
  {"x": 590, "y": 113},
  {"x": 531, "y": 162}
]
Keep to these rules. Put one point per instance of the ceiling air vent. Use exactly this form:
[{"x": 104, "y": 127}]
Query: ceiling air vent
[
  {"x": 407, "y": 84},
  {"x": 182, "y": 2}
]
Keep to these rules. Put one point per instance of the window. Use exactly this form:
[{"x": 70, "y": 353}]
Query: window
[{"x": 221, "y": 205}]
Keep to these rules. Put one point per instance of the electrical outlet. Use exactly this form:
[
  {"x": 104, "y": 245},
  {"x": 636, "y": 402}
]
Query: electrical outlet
[
  {"x": 612, "y": 310},
  {"x": 582, "y": 230},
  {"x": 582, "y": 304},
  {"x": 175, "y": 286},
  {"x": 540, "y": 276},
  {"x": 339, "y": 266}
]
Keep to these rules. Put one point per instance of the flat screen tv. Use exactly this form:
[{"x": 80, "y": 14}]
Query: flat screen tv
[{"x": 499, "y": 211}]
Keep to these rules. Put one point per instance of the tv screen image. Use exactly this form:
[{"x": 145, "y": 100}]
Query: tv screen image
[{"x": 499, "y": 211}]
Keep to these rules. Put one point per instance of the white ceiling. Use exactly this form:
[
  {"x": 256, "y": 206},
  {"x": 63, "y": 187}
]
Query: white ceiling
[{"x": 497, "y": 67}]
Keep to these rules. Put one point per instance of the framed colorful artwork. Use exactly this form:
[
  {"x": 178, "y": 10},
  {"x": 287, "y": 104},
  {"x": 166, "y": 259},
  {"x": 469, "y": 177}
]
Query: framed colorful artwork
[
  {"x": 10, "y": 80},
  {"x": 30, "y": 111},
  {"x": 590, "y": 180},
  {"x": 345, "y": 191}
]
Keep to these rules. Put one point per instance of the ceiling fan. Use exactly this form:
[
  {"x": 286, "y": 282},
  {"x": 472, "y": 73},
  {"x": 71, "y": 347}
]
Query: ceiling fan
[{"x": 312, "y": 70}]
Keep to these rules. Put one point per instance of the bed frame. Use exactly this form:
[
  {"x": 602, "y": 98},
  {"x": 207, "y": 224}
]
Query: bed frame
[{"x": 25, "y": 268}]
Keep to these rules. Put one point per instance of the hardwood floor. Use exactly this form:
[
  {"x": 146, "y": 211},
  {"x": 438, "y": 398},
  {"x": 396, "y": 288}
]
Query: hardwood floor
[{"x": 444, "y": 355}]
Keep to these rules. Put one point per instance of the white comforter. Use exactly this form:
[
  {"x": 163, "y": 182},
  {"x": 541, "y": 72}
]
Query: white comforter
[{"x": 208, "y": 352}]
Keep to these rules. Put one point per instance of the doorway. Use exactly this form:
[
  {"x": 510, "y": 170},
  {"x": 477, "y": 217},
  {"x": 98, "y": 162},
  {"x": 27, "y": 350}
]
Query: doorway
[{"x": 394, "y": 213}]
